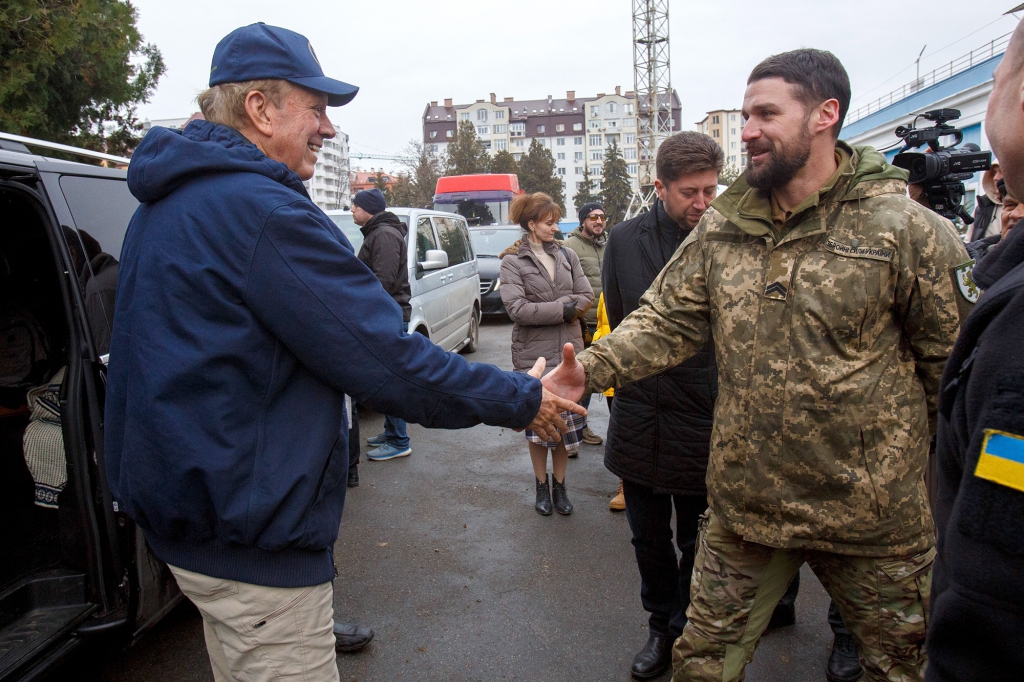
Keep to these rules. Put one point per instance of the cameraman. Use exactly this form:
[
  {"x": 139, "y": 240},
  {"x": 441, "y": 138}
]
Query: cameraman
[{"x": 976, "y": 630}]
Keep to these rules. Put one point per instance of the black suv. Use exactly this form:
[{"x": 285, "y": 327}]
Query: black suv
[{"x": 72, "y": 565}]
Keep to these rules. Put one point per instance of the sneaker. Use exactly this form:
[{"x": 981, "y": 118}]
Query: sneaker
[
  {"x": 591, "y": 438},
  {"x": 618, "y": 503},
  {"x": 376, "y": 441},
  {"x": 388, "y": 451}
]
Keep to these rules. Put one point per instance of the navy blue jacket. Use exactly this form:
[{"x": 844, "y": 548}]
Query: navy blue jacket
[
  {"x": 242, "y": 318},
  {"x": 976, "y": 628}
]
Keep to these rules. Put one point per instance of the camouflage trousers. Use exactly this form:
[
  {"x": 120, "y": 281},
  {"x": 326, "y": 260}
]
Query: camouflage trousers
[{"x": 736, "y": 585}]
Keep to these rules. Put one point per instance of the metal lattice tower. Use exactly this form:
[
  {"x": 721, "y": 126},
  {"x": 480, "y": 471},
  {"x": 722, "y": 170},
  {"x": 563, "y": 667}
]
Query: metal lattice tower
[{"x": 653, "y": 85}]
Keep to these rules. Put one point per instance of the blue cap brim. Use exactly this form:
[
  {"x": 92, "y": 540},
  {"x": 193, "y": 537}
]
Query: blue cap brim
[{"x": 338, "y": 93}]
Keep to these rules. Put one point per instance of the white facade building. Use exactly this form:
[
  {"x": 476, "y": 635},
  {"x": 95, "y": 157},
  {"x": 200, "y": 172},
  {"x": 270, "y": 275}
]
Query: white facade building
[{"x": 329, "y": 186}]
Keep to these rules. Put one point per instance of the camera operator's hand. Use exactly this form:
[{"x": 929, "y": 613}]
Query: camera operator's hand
[{"x": 916, "y": 193}]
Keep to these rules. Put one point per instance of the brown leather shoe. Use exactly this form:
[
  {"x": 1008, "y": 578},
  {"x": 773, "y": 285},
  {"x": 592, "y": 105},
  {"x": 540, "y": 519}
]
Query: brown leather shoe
[
  {"x": 591, "y": 438},
  {"x": 618, "y": 502}
]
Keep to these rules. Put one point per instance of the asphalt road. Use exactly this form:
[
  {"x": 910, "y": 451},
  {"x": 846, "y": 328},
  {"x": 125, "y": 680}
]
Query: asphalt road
[{"x": 443, "y": 555}]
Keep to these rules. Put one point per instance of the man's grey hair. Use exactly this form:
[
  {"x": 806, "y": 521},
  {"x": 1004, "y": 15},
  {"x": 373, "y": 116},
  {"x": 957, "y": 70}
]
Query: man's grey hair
[{"x": 225, "y": 103}]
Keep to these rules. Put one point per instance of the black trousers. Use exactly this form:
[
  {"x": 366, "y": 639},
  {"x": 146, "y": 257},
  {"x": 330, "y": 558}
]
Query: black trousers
[
  {"x": 664, "y": 575},
  {"x": 835, "y": 620}
]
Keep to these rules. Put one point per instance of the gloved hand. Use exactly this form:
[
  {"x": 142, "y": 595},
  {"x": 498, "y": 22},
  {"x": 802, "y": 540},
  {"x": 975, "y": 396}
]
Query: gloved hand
[{"x": 568, "y": 312}]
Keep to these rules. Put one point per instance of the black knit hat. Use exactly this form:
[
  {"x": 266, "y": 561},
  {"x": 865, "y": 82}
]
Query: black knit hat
[{"x": 586, "y": 208}]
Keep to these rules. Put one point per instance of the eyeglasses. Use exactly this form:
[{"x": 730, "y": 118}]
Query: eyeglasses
[{"x": 596, "y": 216}]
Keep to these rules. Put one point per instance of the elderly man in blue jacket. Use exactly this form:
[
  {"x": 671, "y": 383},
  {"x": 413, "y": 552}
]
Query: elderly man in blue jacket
[{"x": 243, "y": 317}]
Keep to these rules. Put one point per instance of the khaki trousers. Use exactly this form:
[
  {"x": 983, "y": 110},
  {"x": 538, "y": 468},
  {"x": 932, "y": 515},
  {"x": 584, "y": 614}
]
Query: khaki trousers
[
  {"x": 736, "y": 585},
  {"x": 260, "y": 634}
]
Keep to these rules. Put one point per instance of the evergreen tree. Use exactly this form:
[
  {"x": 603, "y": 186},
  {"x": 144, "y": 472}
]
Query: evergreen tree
[
  {"x": 403, "y": 192},
  {"x": 504, "y": 162},
  {"x": 380, "y": 182},
  {"x": 537, "y": 173},
  {"x": 616, "y": 188},
  {"x": 74, "y": 71},
  {"x": 466, "y": 154},
  {"x": 585, "y": 190},
  {"x": 729, "y": 175}
]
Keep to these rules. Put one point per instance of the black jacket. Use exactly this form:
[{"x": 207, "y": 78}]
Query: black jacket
[
  {"x": 659, "y": 434},
  {"x": 976, "y": 630},
  {"x": 983, "y": 213},
  {"x": 385, "y": 251}
]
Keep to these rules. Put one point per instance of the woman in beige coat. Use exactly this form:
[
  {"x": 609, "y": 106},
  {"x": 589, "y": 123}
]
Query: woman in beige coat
[{"x": 545, "y": 293}]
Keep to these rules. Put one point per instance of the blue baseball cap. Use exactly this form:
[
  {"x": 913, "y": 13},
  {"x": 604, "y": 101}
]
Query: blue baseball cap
[{"x": 259, "y": 51}]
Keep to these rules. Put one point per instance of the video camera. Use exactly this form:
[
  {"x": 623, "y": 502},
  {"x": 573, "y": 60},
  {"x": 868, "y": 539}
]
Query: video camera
[{"x": 941, "y": 171}]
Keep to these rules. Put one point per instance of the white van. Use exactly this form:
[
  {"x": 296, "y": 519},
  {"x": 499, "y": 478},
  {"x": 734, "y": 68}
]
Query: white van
[{"x": 442, "y": 275}]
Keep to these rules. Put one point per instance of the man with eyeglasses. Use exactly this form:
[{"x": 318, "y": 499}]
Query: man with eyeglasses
[{"x": 588, "y": 242}]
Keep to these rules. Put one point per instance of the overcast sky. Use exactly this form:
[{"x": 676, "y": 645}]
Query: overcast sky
[{"x": 404, "y": 53}]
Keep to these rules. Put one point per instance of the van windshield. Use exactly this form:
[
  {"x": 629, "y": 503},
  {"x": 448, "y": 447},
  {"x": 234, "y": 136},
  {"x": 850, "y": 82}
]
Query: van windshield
[
  {"x": 351, "y": 230},
  {"x": 491, "y": 242}
]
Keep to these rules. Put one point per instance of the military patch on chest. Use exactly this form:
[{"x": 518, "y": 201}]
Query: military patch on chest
[
  {"x": 965, "y": 282},
  {"x": 855, "y": 250},
  {"x": 1002, "y": 459},
  {"x": 776, "y": 290}
]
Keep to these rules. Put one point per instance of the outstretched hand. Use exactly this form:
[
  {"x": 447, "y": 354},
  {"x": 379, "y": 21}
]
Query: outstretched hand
[
  {"x": 548, "y": 423},
  {"x": 569, "y": 379}
]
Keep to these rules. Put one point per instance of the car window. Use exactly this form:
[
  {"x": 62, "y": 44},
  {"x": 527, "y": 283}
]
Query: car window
[
  {"x": 424, "y": 239},
  {"x": 351, "y": 230},
  {"x": 492, "y": 241},
  {"x": 101, "y": 208},
  {"x": 453, "y": 240},
  {"x": 464, "y": 231}
]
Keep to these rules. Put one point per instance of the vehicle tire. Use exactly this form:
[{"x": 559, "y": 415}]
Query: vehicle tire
[{"x": 474, "y": 333}]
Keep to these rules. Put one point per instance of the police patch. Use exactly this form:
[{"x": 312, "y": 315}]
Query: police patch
[
  {"x": 965, "y": 282},
  {"x": 1002, "y": 459}
]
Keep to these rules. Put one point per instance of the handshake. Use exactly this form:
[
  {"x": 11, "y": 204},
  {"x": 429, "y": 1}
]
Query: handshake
[{"x": 562, "y": 388}]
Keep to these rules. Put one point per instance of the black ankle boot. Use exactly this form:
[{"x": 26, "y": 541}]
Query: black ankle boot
[
  {"x": 843, "y": 663},
  {"x": 543, "y": 505},
  {"x": 562, "y": 504}
]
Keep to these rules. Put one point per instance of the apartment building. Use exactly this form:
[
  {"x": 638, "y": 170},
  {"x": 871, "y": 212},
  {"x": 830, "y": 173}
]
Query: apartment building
[
  {"x": 578, "y": 131},
  {"x": 726, "y": 127}
]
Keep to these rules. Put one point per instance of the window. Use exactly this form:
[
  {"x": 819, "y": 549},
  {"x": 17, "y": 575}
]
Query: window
[
  {"x": 544, "y": 142},
  {"x": 595, "y": 170},
  {"x": 595, "y": 110},
  {"x": 454, "y": 239},
  {"x": 732, "y": 117},
  {"x": 631, "y": 168},
  {"x": 579, "y": 170},
  {"x": 561, "y": 156},
  {"x": 560, "y": 141},
  {"x": 517, "y": 127},
  {"x": 481, "y": 114},
  {"x": 517, "y": 157},
  {"x": 499, "y": 115},
  {"x": 596, "y": 155},
  {"x": 733, "y": 145},
  {"x": 595, "y": 140},
  {"x": 612, "y": 107},
  {"x": 732, "y": 131},
  {"x": 595, "y": 125},
  {"x": 433, "y": 134},
  {"x": 714, "y": 120},
  {"x": 519, "y": 143},
  {"x": 630, "y": 138},
  {"x": 433, "y": 147},
  {"x": 714, "y": 133},
  {"x": 629, "y": 123},
  {"x": 628, "y": 109},
  {"x": 540, "y": 129},
  {"x": 559, "y": 127},
  {"x": 500, "y": 128},
  {"x": 732, "y": 159},
  {"x": 483, "y": 130},
  {"x": 464, "y": 116},
  {"x": 500, "y": 144},
  {"x": 629, "y": 153},
  {"x": 561, "y": 171},
  {"x": 449, "y": 133},
  {"x": 578, "y": 156},
  {"x": 612, "y": 124},
  {"x": 577, "y": 140},
  {"x": 424, "y": 239},
  {"x": 577, "y": 126}
]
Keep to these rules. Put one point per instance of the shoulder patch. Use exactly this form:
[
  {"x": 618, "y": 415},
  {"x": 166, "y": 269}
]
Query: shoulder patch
[
  {"x": 1002, "y": 459},
  {"x": 965, "y": 282},
  {"x": 855, "y": 250}
]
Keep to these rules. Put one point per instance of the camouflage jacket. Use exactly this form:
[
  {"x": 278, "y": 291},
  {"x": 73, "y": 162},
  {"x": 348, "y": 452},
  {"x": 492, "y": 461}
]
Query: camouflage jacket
[{"x": 830, "y": 347}]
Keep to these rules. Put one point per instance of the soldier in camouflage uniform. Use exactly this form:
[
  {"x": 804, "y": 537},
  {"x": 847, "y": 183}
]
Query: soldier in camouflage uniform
[{"x": 833, "y": 304}]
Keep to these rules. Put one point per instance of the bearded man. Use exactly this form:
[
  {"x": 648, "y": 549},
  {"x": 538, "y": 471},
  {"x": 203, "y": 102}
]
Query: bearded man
[{"x": 830, "y": 298}]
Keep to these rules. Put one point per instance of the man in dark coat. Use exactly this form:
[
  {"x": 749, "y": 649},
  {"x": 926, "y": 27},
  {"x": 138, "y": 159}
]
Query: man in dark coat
[
  {"x": 660, "y": 428},
  {"x": 976, "y": 630},
  {"x": 386, "y": 252}
]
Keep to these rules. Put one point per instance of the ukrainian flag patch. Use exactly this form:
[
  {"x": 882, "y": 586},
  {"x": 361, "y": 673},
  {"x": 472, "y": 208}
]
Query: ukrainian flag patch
[{"x": 1002, "y": 459}]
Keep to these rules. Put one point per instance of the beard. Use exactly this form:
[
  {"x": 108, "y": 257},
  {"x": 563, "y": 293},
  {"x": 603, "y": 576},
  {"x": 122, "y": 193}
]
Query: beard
[{"x": 780, "y": 168}]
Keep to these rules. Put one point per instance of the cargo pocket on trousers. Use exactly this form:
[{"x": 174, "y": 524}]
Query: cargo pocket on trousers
[
  {"x": 274, "y": 615},
  {"x": 904, "y": 590}
]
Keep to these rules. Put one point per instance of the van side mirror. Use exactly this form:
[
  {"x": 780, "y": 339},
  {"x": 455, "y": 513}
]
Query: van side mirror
[{"x": 436, "y": 260}]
